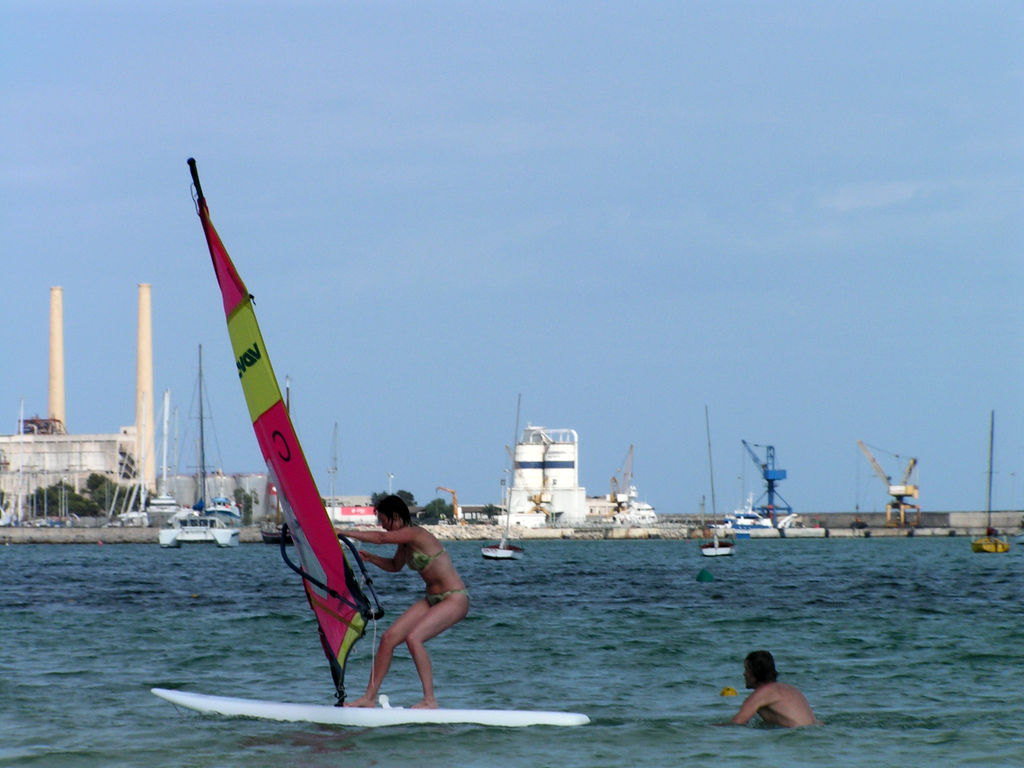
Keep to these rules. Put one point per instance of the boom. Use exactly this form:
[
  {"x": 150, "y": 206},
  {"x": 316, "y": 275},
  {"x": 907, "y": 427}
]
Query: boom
[{"x": 874, "y": 464}]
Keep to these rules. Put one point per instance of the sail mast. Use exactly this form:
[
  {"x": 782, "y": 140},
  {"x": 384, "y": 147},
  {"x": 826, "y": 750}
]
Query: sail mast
[
  {"x": 202, "y": 438},
  {"x": 333, "y": 469},
  {"x": 163, "y": 467},
  {"x": 711, "y": 466},
  {"x": 508, "y": 493},
  {"x": 991, "y": 436}
]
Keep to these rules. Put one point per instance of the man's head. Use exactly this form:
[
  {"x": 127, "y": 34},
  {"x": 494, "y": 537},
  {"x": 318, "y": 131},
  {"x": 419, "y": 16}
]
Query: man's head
[{"x": 759, "y": 668}]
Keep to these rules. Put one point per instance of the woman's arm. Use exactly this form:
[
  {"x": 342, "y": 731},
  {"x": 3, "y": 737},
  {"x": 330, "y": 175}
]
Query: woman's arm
[
  {"x": 401, "y": 536},
  {"x": 391, "y": 564}
]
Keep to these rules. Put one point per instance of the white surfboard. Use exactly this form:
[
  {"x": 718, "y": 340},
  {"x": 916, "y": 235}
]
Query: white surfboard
[{"x": 363, "y": 718}]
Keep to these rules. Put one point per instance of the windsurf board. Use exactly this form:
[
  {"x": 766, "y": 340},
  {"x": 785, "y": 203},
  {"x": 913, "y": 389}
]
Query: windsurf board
[{"x": 363, "y": 717}]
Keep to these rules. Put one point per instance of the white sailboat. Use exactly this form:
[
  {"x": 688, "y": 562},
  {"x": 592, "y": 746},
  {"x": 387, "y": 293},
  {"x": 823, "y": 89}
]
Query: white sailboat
[
  {"x": 133, "y": 512},
  {"x": 717, "y": 547},
  {"x": 208, "y": 524},
  {"x": 164, "y": 503},
  {"x": 504, "y": 550},
  {"x": 13, "y": 513}
]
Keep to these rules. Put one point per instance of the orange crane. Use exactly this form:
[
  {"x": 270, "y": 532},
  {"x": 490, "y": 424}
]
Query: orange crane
[
  {"x": 898, "y": 491},
  {"x": 455, "y": 505}
]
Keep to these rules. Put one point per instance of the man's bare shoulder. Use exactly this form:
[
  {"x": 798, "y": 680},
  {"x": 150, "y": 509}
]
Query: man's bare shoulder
[{"x": 783, "y": 704}]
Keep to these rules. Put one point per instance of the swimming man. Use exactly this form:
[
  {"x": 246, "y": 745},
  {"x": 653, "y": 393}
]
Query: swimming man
[{"x": 777, "y": 703}]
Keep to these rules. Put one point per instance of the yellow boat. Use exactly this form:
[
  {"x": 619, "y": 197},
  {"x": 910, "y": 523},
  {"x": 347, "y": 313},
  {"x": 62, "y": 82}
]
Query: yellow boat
[{"x": 990, "y": 544}]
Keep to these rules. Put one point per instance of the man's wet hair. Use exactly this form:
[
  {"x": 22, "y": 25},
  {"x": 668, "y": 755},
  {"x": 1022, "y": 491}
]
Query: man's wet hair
[{"x": 762, "y": 666}]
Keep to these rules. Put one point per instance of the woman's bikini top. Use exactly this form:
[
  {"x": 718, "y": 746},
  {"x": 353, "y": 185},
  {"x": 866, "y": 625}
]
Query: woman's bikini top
[{"x": 418, "y": 561}]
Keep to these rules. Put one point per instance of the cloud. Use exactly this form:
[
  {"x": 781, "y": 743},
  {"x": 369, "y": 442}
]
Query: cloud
[{"x": 871, "y": 196}]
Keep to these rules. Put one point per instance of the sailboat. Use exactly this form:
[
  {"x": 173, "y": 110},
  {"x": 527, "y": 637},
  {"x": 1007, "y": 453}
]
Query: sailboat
[
  {"x": 503, "y": 550},
  {"x": 716, "y": 547},
  {"x": 991, "y": 541},
  {"x": 209, "y": 524},
  {"x": 272, "y": 531},
  {"x": 164, "y": 504}
]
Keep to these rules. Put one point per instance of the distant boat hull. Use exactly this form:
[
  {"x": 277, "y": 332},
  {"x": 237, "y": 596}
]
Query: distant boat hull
[
  {"x": 502, "y": 552},
  {"x": 990, "y": 544},
  {"x": 199, "y": 530},
  {"x": 717, "y": 548},
  {"x": 272, "y": 534}
]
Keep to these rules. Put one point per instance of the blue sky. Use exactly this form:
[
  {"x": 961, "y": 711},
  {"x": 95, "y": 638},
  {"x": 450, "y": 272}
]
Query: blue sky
[{"x": 805, "y": 216}]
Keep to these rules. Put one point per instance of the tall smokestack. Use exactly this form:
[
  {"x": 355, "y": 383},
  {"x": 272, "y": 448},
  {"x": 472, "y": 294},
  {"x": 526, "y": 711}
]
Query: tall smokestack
[
  {"x": 144, "y": 386},
  {"x": 55, "y": 409}
]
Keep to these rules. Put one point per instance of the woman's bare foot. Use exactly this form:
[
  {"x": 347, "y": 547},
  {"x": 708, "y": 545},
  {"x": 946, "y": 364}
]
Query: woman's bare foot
[
  {"x": 362, "y": 701},
  {"x": 426, "y": 704}
]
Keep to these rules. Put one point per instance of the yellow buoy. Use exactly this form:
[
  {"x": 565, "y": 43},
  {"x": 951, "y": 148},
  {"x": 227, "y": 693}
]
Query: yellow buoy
[{"x": 728, "y": 691}]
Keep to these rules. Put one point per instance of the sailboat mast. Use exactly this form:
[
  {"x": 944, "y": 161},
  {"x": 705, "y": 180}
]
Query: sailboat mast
[
  {"x": 711, "y": 466},
  {"x": 163, "y": 463},
  {"x": 143, "y": 480},
  {"x": 991, "y": 436},
  {"x": 508, "y": 494},
  {"x": 333, "y": 470},
  {"x": 202, "y": 437},
  {"x": 20, "y": 512}
]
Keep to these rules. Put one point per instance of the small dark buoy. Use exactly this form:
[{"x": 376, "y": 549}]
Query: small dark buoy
[{"x": 705, "y": 575}]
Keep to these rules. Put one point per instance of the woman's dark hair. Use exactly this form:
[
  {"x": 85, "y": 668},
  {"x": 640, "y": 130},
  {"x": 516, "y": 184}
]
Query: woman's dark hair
[
  {"x": 393, "y": 507},
  {"x": 761, "y": 666}
]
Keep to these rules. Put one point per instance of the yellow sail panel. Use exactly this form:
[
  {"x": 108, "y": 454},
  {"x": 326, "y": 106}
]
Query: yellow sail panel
[{"x": 254, "y": 369}]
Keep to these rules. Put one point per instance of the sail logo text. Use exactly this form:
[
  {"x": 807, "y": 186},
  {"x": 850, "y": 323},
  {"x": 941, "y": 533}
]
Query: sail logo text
[{"x": 248, "y": 359}]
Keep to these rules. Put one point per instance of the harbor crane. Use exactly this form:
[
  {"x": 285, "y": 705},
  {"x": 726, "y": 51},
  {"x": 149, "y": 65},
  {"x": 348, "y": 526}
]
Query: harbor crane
[
  {"x": 456, "y": 511},
  {"x": 771, "y": 477},
  {"x": 898, "y": 504},
  {"x": 620, "y": 489}
]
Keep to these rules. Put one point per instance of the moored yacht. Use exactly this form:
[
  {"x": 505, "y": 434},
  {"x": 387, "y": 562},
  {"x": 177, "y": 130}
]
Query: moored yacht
[{"x": 199, "y": 528}]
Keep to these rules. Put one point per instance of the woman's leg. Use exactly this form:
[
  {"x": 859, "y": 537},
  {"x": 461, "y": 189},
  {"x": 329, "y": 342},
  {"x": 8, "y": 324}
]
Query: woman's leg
[
  {"x": 440, "y": 617},
  {"x": 395, "y": 635}
]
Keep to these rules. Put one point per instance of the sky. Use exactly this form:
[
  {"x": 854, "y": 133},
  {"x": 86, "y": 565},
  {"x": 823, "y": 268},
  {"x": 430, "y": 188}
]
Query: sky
[{"x": 803, "y": 217}]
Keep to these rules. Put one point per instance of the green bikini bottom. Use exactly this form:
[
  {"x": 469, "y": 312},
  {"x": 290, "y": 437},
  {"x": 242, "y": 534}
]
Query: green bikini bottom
[{"x": 440, "y": 596}]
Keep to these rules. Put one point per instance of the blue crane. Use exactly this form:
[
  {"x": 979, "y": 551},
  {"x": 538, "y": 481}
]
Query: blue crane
[{"x": 771, "y": 476}]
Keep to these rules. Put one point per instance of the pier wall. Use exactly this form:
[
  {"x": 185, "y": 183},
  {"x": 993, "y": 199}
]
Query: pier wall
[{"x": 970, "y": 524}]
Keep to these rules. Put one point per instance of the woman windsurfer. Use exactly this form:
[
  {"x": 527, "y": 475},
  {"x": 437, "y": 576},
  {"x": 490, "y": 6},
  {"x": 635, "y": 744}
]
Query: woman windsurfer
[{"x": 445, "y": 603}]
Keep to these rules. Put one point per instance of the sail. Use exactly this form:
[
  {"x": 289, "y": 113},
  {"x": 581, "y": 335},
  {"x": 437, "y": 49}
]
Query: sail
[{"x": 341, "y": 607}]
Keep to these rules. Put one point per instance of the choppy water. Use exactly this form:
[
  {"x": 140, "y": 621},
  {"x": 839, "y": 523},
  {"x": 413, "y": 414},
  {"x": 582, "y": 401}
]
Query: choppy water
[{"x": 910, "y": 650}]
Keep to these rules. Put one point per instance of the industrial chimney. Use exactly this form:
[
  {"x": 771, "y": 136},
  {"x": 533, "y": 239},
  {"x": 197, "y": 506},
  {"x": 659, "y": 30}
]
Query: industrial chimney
[
  {"x": 144, "y": 426},
  {"x": 55, "y": 409}
]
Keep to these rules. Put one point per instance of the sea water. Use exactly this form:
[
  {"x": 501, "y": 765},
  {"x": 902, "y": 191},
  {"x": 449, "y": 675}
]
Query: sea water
[{"x": 910, "y": 651}]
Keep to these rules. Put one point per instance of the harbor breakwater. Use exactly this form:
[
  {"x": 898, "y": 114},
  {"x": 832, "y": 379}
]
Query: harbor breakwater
[{"x": 836, "y": 526}]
